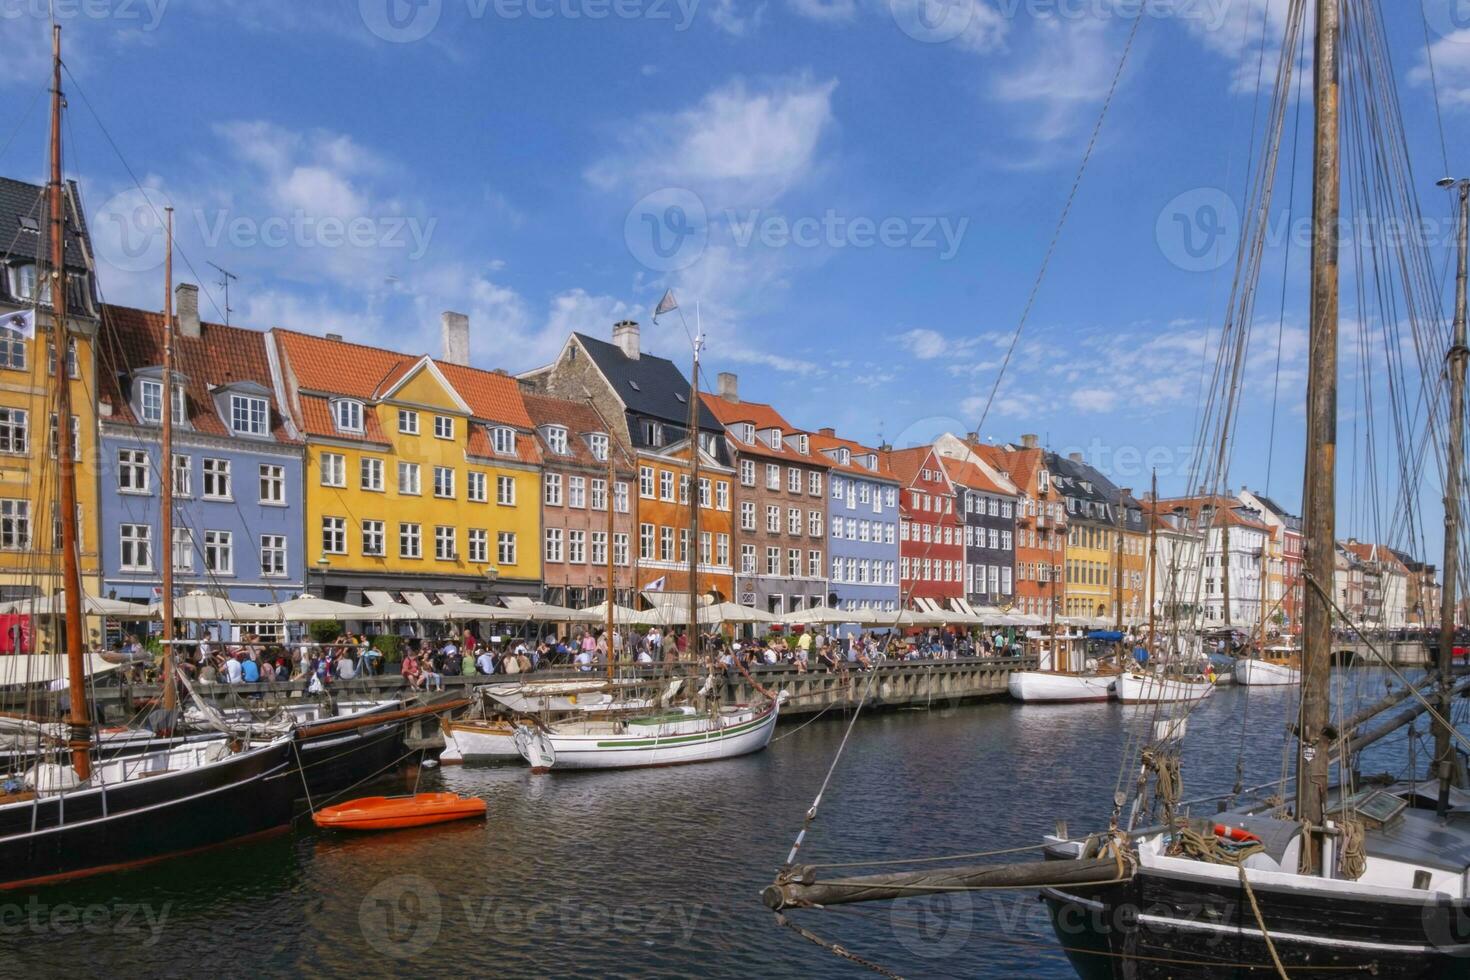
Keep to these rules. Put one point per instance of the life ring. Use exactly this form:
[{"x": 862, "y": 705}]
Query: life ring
[{"x": 1237, "y": 834}]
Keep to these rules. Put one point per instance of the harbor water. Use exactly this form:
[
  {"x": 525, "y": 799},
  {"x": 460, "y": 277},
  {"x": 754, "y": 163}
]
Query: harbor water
[{"x": 658, "y": 872}]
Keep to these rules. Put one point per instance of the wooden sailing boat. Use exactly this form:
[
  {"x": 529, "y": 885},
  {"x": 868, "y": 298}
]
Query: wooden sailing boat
[
  {"x": 1060, "y": 678},
  {"x": 1342, "y": 880},
  {"x": 675, "y": 736}
]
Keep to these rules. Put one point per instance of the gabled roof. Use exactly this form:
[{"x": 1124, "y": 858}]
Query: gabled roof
[
  {"x": 827, "y": 444},
  {"x": 1020, "y": 465},
  {"x": 970, "y": 476},
  {"x": 327, "y": 366},
  {"x": 651, "y": 386},
  {"x": 133, "y": 339}
]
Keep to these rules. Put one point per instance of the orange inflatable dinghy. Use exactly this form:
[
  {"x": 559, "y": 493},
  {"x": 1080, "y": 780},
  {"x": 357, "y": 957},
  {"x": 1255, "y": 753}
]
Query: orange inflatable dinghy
[{"x": 396, "y": 812}]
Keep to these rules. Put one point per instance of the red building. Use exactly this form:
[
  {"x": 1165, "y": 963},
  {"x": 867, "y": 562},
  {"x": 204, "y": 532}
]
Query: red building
[{"x": 931, "y": 534}]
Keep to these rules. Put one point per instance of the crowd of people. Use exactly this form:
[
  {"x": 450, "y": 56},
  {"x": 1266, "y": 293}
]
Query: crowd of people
[{"x": 423, "y": 663}]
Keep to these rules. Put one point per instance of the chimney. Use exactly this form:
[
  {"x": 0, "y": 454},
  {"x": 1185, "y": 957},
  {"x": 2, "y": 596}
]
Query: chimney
[
  {"x": 625, "y": 335},
  {"x": 456, "y": 338},
  {"x": 1029, "y": 441},
  {"x": 1075, "y": 457},
  {"x": 729, "y": 385},
  {"x": 334, "y": 336},
  {"x": 886, "y": 447},
  {"x": 186, "y": 308},
  {"x": 829, "y": 432}
]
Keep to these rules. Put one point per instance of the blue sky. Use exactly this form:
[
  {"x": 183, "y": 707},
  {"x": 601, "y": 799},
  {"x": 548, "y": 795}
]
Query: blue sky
[{"x": 857, "y": 193}]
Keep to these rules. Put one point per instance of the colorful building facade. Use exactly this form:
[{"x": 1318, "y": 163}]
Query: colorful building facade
[
  {"x": 931, "y": 537},
  {"x": 238, "y": 510},
  {"x": 863, "y": 512}
]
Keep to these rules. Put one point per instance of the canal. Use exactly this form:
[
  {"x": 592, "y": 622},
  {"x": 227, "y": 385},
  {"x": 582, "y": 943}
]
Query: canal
[{"x": 658, "y": 872}]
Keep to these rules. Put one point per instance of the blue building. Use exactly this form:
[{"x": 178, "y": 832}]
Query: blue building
[
  {"x": 862, "y": 517},
  {"x": 237, "y": 461}
]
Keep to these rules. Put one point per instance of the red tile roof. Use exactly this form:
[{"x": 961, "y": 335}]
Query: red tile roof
[
  {"x": 580, "y": 420},
  {"x": 1019, "y": 465},
  {"x": 317, "y": 420},
  {"x": 732, "y": 414},
  {"x": 906, "y": 463},
  {"x": 132, "y": 339},
  {"x": 339, "y": 367},
  {"x": 827, "y": 446},
  {"x": 1227, "y": 510},
  {"x": 967, "y": 474}
]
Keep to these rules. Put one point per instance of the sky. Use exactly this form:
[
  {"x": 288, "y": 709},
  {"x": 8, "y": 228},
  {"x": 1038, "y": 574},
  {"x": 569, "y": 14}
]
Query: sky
[{"x": 854, "y": 199}]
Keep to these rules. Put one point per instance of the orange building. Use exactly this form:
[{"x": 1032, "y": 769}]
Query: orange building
[{"x": 646, "y": 401}]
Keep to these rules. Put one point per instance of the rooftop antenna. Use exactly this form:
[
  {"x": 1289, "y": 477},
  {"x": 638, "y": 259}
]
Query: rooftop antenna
[{"x": 225, "y": 276}]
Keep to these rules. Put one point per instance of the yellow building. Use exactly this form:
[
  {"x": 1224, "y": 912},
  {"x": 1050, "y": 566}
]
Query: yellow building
[
  {"x": 30, "y": 556},
  {"x": 1091, "y": 553},
  {"x": 421, "y": 476}
]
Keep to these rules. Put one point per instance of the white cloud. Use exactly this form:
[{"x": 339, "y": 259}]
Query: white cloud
[
  {"x": 741, "y": 143},
  {"x": 1098, "y": 400},
  {"x": 1058, "y": 81},
  {"x": 928, "y": 345},
  {"x": 1451, "y": 69}
]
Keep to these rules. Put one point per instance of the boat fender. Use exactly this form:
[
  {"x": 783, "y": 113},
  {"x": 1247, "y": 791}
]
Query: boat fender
[{"x": 1237, "y": 834}]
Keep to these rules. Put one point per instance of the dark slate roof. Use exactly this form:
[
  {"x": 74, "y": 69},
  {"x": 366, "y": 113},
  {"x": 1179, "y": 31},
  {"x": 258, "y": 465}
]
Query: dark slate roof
[
  {"x": 650, "y": 386},
  {"x": 18, "y": 200},
  {"x": 1289, "y": 519}
]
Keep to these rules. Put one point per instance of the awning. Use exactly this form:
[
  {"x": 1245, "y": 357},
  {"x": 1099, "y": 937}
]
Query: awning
[
  {"x": 44, "y": 668},
  {"x": 1106, "y": 636},
  {"x": 202, "y": 607},
  {"x": 91, "y": 606},
  {"x": 312, "y": 609},
  {"x": 425, "y": 609},
  {"x": 383, "y": 608}
]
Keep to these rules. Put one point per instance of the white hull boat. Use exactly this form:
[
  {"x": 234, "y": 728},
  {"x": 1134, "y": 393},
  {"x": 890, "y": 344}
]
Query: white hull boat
[
  {"x": 1157, "y": 689},
  {"x": 1043, "y": 687},
  {"x": 479, "y": 741},
  {"x": 568, "y": 697},
  {"x": 1267, "y": 673},
  {"x": 668, "y": 739}
]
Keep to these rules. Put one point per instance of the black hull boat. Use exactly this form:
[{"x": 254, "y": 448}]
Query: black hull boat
[
  {"x": 1406, "y": 916},
  {"x": 146, "y": 807}
]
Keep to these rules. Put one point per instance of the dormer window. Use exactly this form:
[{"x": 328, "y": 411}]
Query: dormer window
[
  {"x": 746, "y": 432},
  {"x": 653, "y": 433},
  {"x": 347, "y": 414},
  {"x": 556, "y": 438},
  {"x": 26, "y": 283},
  {"x": 707, "y": 442},
  {"x": 249, "y": 416},
  {"x": 150, "y": 403},
  {"x": 773, "y": 438},
  {"x": 803, "y": 445},
  {"x": 1043, "y": 481},
  {"x": 844, "y": 456},
  {"x": 503, "y": 438},
  {"x": 869, "y": 462},
  {"x": 598, "y": 443}
]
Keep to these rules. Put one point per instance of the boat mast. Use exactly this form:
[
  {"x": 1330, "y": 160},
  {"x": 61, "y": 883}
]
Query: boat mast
[
  {"x": 166, "y": 465},
  {"x": 1153, "y": 567},
  {"x": 79, "y": 719},
  {"x": 1225, "y": 563},
  {"x": 694, "y": 496},
  {"x": 1261, "y": 643},
  {"x": 1443, "y": 748},
  {"x": 1320, "y": 470}
]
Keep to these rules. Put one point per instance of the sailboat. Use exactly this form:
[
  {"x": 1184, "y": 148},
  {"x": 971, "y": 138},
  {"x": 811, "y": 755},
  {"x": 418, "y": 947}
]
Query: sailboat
[
  {"x": 92, "y": 813},
  {"x": 1061, "y": 677},
  {"x": 673, "y": 736},
  {"x": 1346, "y": 878}
]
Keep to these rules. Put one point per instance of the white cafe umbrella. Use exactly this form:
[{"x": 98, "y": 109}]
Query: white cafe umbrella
[
  {"x": 203, "y": 607},
  {"x": 826, "y": 616},
  {"x": 311, "y": 609},
  {"x": 91, "y": 606}
]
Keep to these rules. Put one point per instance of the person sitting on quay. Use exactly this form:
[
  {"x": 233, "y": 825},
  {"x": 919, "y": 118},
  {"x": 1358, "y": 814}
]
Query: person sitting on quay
[
  {"x": 411, "y": 672},
  {"x": 485, "y": 662}
]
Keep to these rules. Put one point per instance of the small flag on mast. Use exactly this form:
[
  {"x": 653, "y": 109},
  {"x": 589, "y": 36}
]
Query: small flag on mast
[
  {"x": 666, "y": 305},
  {"x": 22, "y": 322},
  {"x": 657, "y": 585}
]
